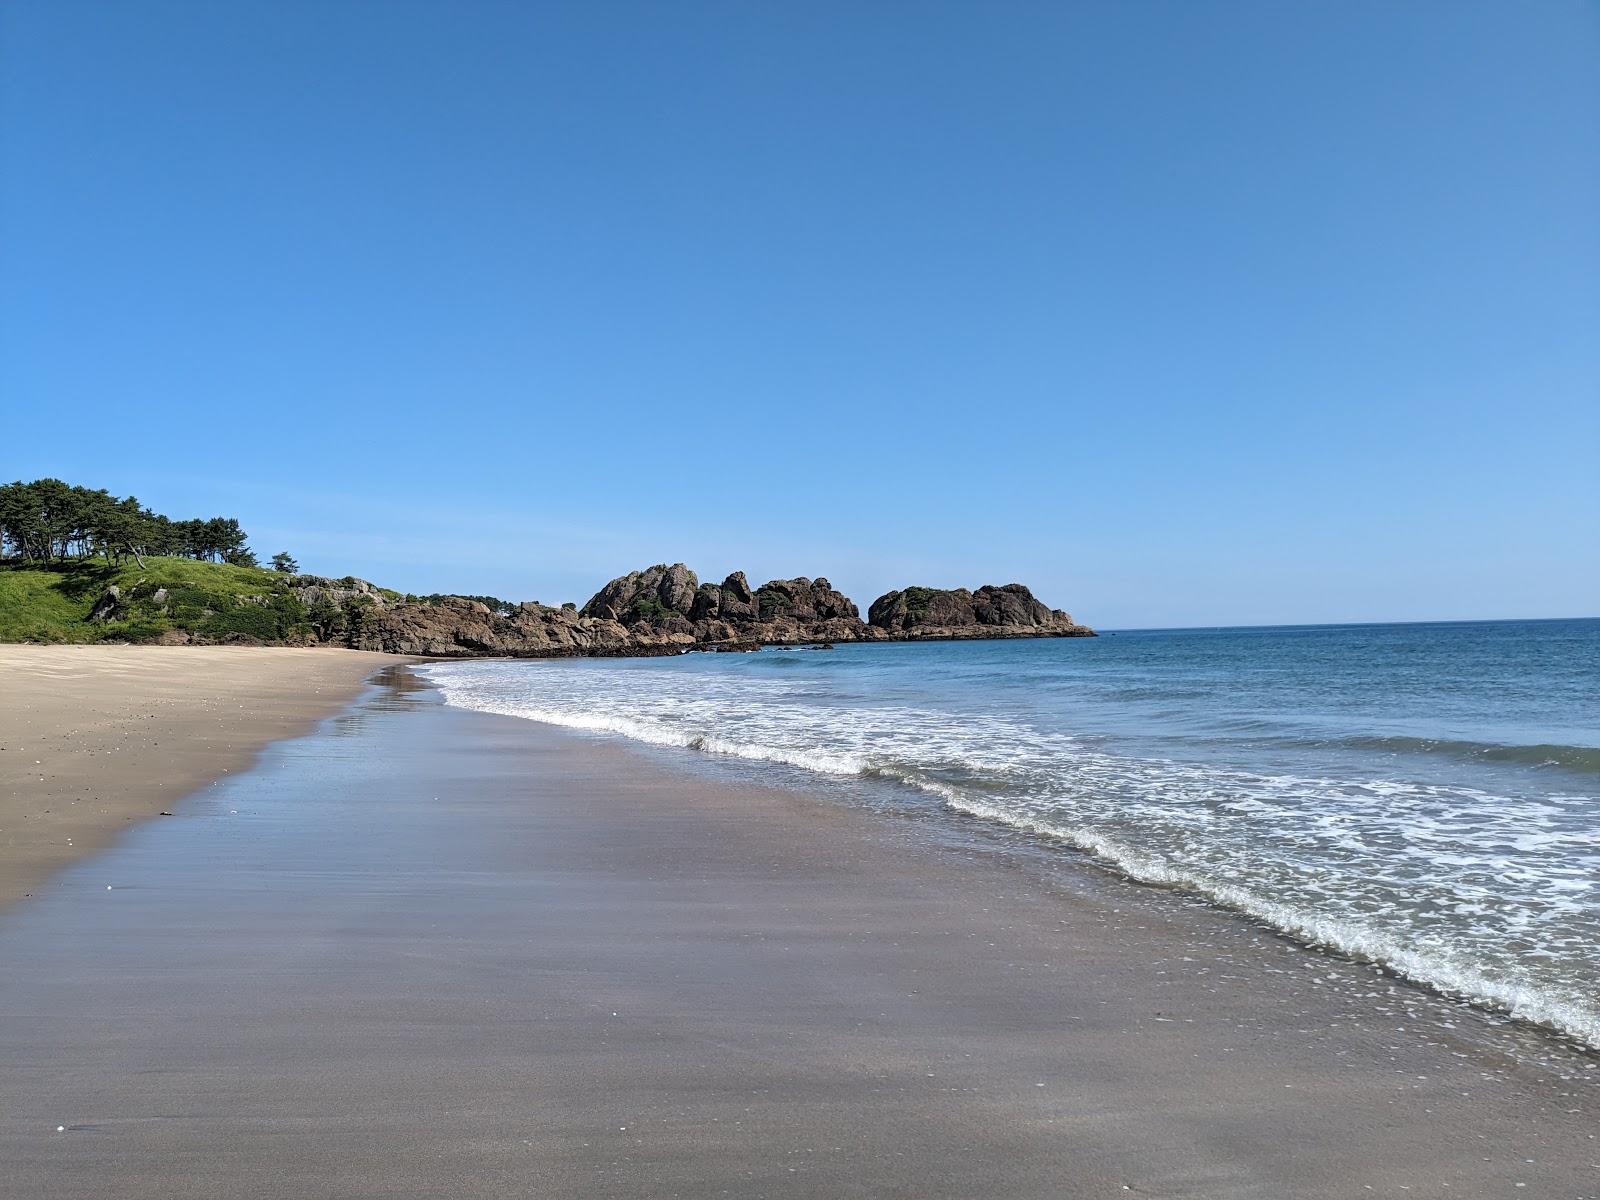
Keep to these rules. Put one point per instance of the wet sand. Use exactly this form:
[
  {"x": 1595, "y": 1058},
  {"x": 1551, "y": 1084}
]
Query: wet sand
[
  {"x": 432, "y": 953},
  {"x": 94, "y": 738}
]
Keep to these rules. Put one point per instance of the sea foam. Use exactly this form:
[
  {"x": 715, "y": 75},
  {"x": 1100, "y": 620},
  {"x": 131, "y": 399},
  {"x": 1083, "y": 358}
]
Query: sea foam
[{"x": 1489, "y": 895}]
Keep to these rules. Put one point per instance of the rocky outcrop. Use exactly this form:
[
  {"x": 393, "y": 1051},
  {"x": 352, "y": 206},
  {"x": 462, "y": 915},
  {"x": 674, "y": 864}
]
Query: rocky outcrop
[
  {"x": 666, "y": 610},
  {"x": 317, "y": 589},
  {"x": 921, "y": 613},
  {"x": 457, "y": 627},
  {"x": 806, "y": 610},
  {"x": 654, "y": 595},
  {"x": 109, "y": 606},
  {"x": 670, "y": 602},
  {"x": 660, "y": 610}
]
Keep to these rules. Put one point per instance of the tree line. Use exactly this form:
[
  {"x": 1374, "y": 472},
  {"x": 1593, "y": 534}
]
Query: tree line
[{"x": 50, "y": 521}]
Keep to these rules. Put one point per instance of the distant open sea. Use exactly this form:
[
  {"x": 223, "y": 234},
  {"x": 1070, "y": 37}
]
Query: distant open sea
[{"x": 1426, "y": 796}]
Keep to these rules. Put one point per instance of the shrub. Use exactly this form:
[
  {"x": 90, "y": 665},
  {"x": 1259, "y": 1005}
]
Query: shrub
[
  {"x": 648, "y": 609},
  {"x": 269, "y": 620},
  {"x": 772, "y": 604},
  {"x": 917, "y": 601}
]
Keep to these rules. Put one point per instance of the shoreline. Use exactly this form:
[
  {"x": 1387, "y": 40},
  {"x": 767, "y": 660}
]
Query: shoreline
[
  {"x": 1056, "y": 855},
  {"x": 96, "y": 738},
  {"x": 1544, "y": 1011},
  {"x": 425, "y": 950}
]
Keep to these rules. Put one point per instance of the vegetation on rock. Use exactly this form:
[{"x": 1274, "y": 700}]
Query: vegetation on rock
[{"x": 492, "y": 603}]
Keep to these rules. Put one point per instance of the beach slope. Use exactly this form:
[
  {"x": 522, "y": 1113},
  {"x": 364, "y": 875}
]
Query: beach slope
[
  {"x": 428, "y": 952},
  {"x": 94, "y": 738}
]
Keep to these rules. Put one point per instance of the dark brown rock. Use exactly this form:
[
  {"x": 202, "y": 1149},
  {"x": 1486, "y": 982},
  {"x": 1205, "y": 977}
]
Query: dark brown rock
[
  {"x": 737, "y": 602},
  {"x": 992, "y": 611},
  {"x": 707, "y": 603},
  {"x": 666, "y": 610},
  {"x": 453, "y": 627},
  {"x": 648, "y": 595}
]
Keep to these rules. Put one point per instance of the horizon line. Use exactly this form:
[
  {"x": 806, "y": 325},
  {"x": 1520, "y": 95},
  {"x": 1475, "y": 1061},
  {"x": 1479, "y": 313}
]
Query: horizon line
[{"x": 1343, "y": 624}]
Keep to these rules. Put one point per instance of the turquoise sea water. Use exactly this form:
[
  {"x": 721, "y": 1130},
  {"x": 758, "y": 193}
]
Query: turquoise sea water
[{"x": 1427, "y": 796}]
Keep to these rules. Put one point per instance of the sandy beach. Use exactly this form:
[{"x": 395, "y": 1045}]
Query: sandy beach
[
  {"x": 429, "y": 952},
  {"x": 95, "y": 738}
]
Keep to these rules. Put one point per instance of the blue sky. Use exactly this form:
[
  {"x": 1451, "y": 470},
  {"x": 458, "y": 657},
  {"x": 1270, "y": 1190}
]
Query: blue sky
[{"x": 1183, "y": 313}]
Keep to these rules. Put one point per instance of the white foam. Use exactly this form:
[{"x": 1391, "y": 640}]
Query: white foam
[
  {"x": 1567, "y": 1014},
  {"x": 1448, "y": 886}
]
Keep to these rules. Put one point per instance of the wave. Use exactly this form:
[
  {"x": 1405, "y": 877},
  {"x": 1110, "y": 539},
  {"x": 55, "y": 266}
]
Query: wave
[
  {"x": 1463, "y": 980},
  {"x": 659, "y": 735},
  {"x": 978, "y": 793},
  {"x": 1582, "y": 759}
]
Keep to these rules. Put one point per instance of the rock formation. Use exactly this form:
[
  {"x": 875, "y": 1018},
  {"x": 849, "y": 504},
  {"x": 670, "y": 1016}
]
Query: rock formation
[
  {"x": 108, "y": 606},
  {"x": 455, "y": 627},
  {"x": 920, "y": 613},
  {"x": 670, "y": 602},
  {"x": 654, "y": 595},
  {"x": 666, "y": 610},
  {"x": 317, "y": 589},
  {"x": 660, "y": 610}
]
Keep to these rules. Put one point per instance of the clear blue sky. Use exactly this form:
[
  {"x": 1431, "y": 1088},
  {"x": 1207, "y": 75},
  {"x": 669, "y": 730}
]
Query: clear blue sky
[{"x": 1183, "y": 313}]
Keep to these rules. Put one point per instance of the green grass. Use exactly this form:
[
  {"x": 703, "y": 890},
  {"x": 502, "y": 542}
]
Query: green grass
[
  {"x": 34, "y": 608},
  {"x": 51, "y": 604}
]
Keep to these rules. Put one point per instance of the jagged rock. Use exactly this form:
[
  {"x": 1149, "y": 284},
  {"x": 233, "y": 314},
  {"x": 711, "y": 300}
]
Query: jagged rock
[
  {"x": 108, "y": 606},
  {"x": 992, "y": 611},
  {"x": 665, "y": 610},
  {"x": 714, "y": 630},
  {"x": 649, "y": 595},
  {"x": 707, "y": 603},
  {"x": 738, "y": 602},
  {"x": 456, "y": 627},
  {"x": 666, "y": 605},
  {"x": 803, "y": 601},
  {"x": 317, "y": 589}
]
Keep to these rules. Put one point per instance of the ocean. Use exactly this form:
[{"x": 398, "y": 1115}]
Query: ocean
[{"x": 1424, "y": 796}]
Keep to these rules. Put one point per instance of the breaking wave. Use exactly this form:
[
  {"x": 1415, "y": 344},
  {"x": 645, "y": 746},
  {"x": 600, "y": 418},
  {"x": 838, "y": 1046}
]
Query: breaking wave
[{"x": 1488, "y": 895}]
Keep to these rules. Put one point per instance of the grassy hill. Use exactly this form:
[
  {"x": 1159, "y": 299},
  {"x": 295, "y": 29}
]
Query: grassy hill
[{"x": 203, "y": 599}]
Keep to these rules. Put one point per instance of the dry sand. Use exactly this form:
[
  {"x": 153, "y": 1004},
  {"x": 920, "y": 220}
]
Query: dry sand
[
  {"x": 425, "y": 952},
  {"x": 94, "y": 738}
]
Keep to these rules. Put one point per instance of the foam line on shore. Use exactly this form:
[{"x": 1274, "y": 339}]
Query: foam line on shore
[{"x": 1435, "y": 969}]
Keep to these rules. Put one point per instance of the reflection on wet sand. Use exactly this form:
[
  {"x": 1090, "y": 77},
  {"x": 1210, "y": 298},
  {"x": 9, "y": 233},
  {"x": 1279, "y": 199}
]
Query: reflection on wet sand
[{"x": 430, "y": 952}]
